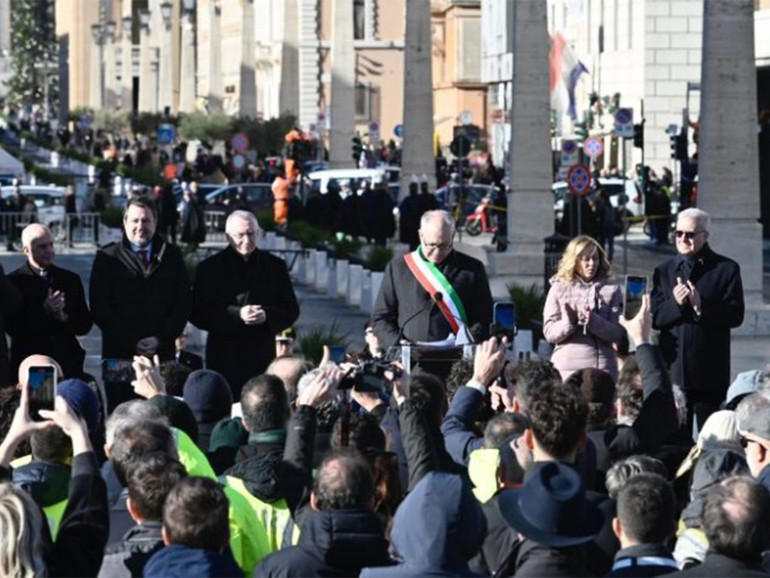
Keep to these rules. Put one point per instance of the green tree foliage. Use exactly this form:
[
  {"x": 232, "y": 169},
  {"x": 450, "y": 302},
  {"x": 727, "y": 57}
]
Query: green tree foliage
[
  {"x": 34, "y": 53},
  {"x": 202, "y": 126}
]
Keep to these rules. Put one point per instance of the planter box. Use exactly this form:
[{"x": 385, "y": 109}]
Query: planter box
[
  {"x": 269, "y": 241},
  {"x": 366, "y": 292},
  {"x": 331, "y": 279},
  {"x": 343, "y": 272},
  {"x": 355, "y": 283},
  {"x": 321, "y": 271},
  {"x": 377, "y": 277}
]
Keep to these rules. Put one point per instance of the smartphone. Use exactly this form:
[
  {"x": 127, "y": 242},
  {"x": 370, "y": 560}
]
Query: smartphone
[
  {"x": 337, "y": 354},
  {"x": 504, "y": 320},
  {"x": 636, "y": 287},
  {"x": 42, "y": 389},
  {"x": 117, "y": 371}
]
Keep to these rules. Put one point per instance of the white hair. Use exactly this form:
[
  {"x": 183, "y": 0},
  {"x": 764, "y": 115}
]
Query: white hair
[
  {"x": 429, "y": 216},
  {"x": 701, "y": 218},
  {"x": 32, "y": 232},
  {"x": 244, "y": 215},
  {"x": 127, "y": 413}
]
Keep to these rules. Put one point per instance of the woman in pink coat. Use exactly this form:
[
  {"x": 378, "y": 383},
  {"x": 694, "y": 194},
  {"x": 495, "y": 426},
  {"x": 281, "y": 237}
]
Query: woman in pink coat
[{"x": 582, "y": 310}]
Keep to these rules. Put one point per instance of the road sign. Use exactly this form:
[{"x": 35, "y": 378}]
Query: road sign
[
  {"x": 461, "y": 146},
  {"x": 569, "y": 147},
  {"x": 593, "y": 147},
  {"x": 398, "y": 130},
  {"x": 239, "y": 161},
  {"x": 166, "y": 134},
  {"x": 466, "y": 117},
  {"x": 239, "y": 142},
  {"x": 569, "y": 153},
  {"x": 579, "y": 179},
  {"x": 624, "y": 122},
  {"x": 374, "y": 132}
]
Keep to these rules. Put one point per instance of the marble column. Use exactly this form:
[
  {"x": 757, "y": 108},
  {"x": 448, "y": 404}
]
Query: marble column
[
  {"x": 110, "y": 75},
  {"x": 728, "y": 151},
  {"x": 187, "y": 68},
  {"x": 165, "y": 71},
  {"x": 126, "y": 66},
  {"x": 147, "y": 88},
  {"x": 96, "y": 93},
  {"x": 247, "y": 105},
  {"x": 530, "y": 207},
  {"x": 343, "y": 86},
  {"x": 288, "y": 98},
  {"x": 418, "y": 96},
  {"x": 215, "y": 57}
]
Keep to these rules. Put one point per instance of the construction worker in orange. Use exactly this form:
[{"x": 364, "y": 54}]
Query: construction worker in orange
[
  {"x": 291, "y": 156},
  {"x": 281, "y": 191}
]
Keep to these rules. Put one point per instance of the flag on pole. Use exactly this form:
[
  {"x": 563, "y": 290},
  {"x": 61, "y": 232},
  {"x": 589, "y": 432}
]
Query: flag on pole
[{"x": 565, "y": 71}]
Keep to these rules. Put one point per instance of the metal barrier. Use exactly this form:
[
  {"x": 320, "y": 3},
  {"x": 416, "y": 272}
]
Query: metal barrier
[
  {"x": 67, "y": 230},
  {"x": 215, "y": 226}
]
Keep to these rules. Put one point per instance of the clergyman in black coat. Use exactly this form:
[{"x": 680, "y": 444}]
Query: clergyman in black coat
[
  {"x": 54, "y": 309},
  {"x": 243, "y": 297},
  {"x": 10, "y": 301},
  {"x": 697, "y": 297}
]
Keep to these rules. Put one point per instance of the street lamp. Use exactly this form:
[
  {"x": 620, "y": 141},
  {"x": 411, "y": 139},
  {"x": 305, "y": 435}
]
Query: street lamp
[
  {"x": 126, "y": 64},
  {"x": 96, "y": 81},
  {"x": 166, "y": 8}
]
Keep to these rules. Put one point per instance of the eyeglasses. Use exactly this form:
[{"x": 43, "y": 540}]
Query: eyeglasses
[
  {"x": 746, "y": 441},
  {"x": 437, "y": 246},
  {"x": 689, "y": 235}
]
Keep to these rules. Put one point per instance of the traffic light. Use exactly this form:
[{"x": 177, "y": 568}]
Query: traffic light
[
  {"x": 639, "y": 135},
  {"x": 673, "y": 141},
  {"x": 681, "y": 147},
  {"x": 357, "y": 148}
]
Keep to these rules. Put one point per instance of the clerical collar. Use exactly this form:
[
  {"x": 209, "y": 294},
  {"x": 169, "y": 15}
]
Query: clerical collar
[{"x": 39, "y": 272}]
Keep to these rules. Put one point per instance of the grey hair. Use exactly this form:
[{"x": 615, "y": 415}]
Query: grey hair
[
  {"x": 32, "y": 232},
  {"x": 241, "y": 214},
  {"x": 701, "y": 218},
  {"x": 445, "y": 216},
  {"x": 127, "y": 413}
]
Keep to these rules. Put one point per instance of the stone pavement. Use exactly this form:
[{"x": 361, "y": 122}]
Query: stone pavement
[{"x": 319, "y": 311}]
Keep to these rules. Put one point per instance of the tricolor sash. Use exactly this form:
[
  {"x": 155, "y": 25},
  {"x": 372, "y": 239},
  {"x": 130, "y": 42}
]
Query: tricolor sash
[{"x": 434, "y": 281}]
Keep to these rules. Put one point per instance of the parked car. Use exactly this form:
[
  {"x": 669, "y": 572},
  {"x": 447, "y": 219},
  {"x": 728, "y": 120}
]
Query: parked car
[
  {"x": 259, "y": 197},
  {"x": 615, "y": 187},
  {"x": 49, "y": 201},
  {"x": 448, "y": 197}
]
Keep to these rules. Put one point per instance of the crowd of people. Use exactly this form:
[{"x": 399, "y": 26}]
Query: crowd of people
[{"x": 251, "y": 460}]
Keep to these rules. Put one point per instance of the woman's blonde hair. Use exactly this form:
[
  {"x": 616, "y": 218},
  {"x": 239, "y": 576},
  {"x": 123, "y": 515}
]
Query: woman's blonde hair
[
  {"x": 21, "y": 526},
  {"x": 566, "y": 271}
]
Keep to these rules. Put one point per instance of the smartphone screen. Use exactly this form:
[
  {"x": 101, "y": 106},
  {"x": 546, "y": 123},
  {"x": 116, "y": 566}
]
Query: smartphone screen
[
  {"x": 117, "y": 371},
  {"x": 337, "y": 354},
  {"x": 42, "y": 389},
  {"x": 636, "y": 287},
  {"x": 504, "y": 320}
]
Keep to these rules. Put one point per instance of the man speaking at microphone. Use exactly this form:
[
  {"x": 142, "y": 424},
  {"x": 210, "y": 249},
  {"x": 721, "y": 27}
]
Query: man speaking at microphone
[{"x": 434, "y": 292}]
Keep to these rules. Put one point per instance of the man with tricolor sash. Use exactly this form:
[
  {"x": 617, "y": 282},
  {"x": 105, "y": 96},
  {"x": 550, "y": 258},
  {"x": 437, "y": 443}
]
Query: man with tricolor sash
[{"x": 434, "y": 292}]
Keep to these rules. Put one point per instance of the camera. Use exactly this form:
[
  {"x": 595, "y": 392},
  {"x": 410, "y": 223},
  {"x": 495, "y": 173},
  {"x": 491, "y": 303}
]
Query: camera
[{"x": 369, "y": 376}]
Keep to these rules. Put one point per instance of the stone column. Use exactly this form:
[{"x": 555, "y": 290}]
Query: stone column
[
  {"x": 96, "y": 87},
  {"x": 187, "y": 68},
  {"x": 247, "y": 105},
  {"x": 215, "y": 57},
  {"x": 728, "y": 187},
  {"x": 165, "y": 71},
  {"x": 530, "y": 207},
  {"x": 343, "y": 85},
  {"x": 418, "y": 96},
  {"x": 126, "y": 66},
  {"x": 147, "y": 93},
  {"x": 110, "y": 76},
  {"x": 5, "y": 31},
  {"x": 288, "y": 98}
]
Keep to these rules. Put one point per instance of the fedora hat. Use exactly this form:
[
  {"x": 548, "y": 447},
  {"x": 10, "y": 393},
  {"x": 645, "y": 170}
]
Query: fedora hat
[{"x": 551, "y": 508}]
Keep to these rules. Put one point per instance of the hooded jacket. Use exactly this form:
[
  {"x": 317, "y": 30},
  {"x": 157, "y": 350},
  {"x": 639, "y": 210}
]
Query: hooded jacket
[
  {"x": 332, "y": 543},
  {"x": 183, "y": 562},
  {"x": 437, "y": 529}
]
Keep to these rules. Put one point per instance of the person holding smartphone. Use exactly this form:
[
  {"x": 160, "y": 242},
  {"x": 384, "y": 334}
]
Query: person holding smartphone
[{"x": 582, "y": 310}]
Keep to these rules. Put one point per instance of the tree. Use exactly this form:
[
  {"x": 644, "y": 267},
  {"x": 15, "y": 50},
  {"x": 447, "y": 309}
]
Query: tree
[{"x": 34, "y": 55}]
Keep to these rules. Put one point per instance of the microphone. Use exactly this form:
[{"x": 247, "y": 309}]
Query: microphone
[{"x": 435, "y": 298}]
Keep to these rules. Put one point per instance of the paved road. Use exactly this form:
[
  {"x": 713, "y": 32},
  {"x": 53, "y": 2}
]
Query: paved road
[{"x": 319, "y": 311}]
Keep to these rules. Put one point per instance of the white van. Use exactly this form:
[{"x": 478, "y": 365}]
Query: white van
[{"x": 346, "y": 178}]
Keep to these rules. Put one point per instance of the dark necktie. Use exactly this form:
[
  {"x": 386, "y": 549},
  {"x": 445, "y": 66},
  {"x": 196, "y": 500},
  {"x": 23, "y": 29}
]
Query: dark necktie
[{"x": 143, "y": 257}]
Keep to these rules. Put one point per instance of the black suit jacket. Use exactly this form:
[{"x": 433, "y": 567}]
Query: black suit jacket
[
  {"x": 10, "y": 301},
  {"x": 698, "y": 348},
  {"x": 32, "y": 330},
  {"x": 223, "y": 284},
  {"x": 403, "y": 303}
]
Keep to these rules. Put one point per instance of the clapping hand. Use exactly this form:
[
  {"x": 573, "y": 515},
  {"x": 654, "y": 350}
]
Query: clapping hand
[
  {"x": 54, "y": 304},
  {"x": 148, "y": 382}
]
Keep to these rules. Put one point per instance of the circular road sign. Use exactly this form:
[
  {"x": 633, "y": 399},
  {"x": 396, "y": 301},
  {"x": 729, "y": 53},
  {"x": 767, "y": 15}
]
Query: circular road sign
[
  {"x": 569, "y": 147},
  {"x": 624, "y": 115},
  {"x": 593, "y": 147},
  {"x": 239, "y": 142},
  {"x": 579, "y": 179},
  {"x": 398, "y": 130},
  {"x": 239, "y": 161}
]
